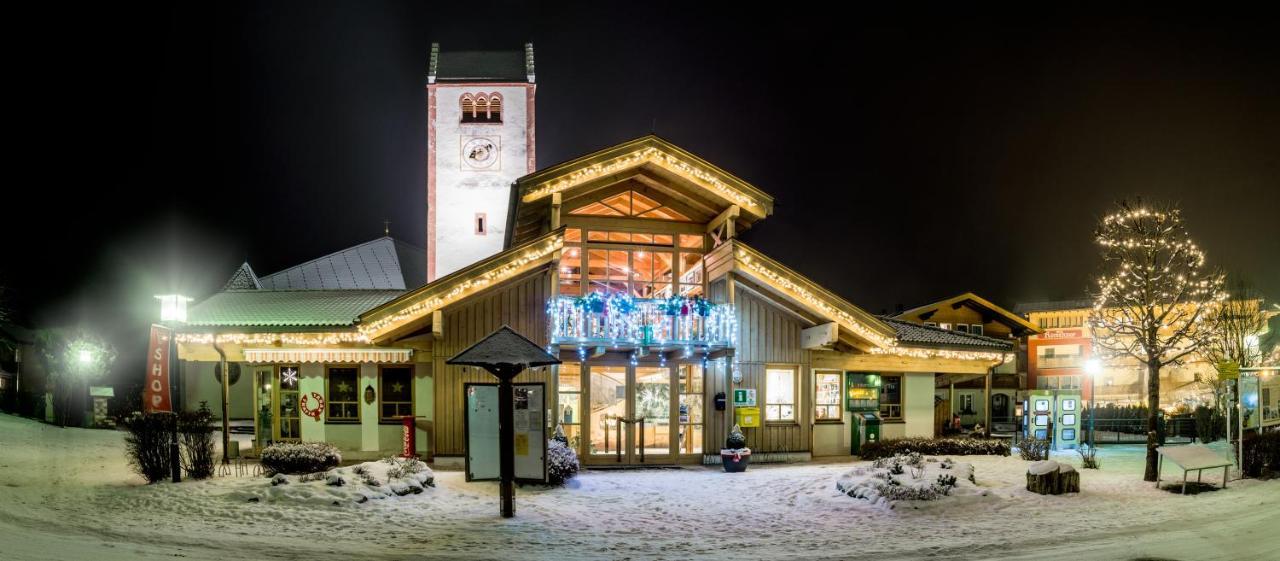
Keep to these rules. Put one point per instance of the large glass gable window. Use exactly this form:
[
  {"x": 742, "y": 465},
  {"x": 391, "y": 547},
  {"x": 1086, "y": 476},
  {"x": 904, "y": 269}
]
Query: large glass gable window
[
  {"x": 631, "y": 204},
  {"x": 644, "y": 265}
]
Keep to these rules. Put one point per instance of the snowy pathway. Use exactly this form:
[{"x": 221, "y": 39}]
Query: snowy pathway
[{"x": 67, "y": 494}]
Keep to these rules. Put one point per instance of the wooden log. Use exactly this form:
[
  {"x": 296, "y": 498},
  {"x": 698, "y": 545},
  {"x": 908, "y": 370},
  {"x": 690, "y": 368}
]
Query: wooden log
[{"x": 1051, "y": 478}]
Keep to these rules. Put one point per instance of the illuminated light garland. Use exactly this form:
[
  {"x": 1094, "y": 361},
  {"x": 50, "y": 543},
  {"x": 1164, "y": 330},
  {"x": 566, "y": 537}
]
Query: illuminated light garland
[
  {"x": 328, "y": 355},
  {"x": 649, "y": 154},
  {"x": 619, "y": 319},
  {"x": 330, "y": 338},
  {"x": 463, "y": 287},
  {"x": 886, "y": 345},
  {"x": 826, "y": 308}
]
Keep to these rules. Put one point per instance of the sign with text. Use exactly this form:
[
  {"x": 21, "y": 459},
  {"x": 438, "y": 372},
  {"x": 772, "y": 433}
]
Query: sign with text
[
  {"x": 744, "y": 397},
  {"x": 155, "y": 396}
]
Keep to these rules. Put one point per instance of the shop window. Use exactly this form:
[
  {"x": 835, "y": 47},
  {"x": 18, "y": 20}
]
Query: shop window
[
  {"x": 691, "y": 409},
  {"x": 891, "y": 397},
  {"x": 826, "y": 396},
  {"x": 569, "y": 415},
  {"x": 780, "y": 392},
  {"x": 344, "y": 406},
  {"x": 397, "y": 392}
]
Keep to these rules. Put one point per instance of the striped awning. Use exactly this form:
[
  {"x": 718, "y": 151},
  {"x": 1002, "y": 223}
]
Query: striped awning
[{"x": 328, "y": 355}]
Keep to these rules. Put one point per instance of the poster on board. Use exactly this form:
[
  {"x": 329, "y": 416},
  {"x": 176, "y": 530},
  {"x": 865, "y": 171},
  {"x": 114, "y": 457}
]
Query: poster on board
[{"x": 530, "y": 437}]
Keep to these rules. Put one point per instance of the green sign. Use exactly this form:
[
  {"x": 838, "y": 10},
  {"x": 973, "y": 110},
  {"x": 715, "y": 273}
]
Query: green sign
[
  {"x": 1228, "y": 370},
  {"x": 744, "y": 397}
]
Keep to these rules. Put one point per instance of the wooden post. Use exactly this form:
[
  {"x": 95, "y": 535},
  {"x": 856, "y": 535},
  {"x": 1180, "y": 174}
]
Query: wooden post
[
  {"x": 506, "y": 441},
  {"x": 986, "y": 405}
]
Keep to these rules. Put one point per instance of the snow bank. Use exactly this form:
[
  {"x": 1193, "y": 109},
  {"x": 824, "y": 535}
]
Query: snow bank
[
  {"x": 355, "y": 484},
  {"x": 890, "y": 481}
]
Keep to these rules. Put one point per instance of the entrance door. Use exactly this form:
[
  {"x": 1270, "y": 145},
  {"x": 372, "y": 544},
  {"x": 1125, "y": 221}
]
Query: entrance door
[
  {"x": 276, "y": 411},
  {"x": 632, "y": 413}
]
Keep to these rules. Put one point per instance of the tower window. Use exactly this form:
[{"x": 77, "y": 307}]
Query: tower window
[
  {"x": 481, "y": 108},
  {"x": 481, "y": 224}
]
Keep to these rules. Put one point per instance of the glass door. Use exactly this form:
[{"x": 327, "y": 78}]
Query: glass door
[
  {"x": 288, "y": 413},
  {"x": 651, "y": 418},
  {"x": 632, "y": 418},
  {"x": 263, "y": 407}
]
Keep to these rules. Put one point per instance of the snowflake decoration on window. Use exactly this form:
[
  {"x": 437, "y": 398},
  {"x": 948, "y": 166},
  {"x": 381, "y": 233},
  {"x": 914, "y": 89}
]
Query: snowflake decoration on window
[{"x": 289, "y": 376}]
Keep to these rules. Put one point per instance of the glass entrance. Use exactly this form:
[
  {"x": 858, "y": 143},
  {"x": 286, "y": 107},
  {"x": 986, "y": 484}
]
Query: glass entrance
[
  {"x": 632, "y": 415},
  {"x": 288, "y": 413}
]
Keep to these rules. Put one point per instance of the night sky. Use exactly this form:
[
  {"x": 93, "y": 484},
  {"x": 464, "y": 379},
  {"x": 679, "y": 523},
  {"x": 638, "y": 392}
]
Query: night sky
[{"x": 157, "y": 148}]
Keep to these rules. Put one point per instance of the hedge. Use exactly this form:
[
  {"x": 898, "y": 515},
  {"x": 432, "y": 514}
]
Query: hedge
[
  {"x": 935, "y": 447},
  {"x": 299, "y": 457},
  {"x": 1261, "y": 453}
]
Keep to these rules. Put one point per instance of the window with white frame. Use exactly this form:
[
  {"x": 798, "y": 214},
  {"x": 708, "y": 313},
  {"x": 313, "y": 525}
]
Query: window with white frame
[
  {"x": 976, "y": 329},
  {"x": 826, "y": 396},
  {"x": 780, "y": 394},
  {"x": 891, "y": 397}
]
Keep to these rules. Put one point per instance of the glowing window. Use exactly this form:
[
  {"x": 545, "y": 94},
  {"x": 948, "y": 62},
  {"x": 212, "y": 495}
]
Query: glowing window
[{"x": 630, "y": 203}]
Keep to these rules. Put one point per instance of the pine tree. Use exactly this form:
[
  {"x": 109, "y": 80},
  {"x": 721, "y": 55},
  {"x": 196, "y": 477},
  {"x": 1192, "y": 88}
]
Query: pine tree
[{"x": 1155, "y": 301}]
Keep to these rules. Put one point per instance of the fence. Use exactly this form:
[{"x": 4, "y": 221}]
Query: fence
[{"x": 1177, "y": 430}]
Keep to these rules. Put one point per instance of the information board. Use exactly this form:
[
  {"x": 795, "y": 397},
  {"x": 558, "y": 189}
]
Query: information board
[
  {"x": 530, "y": 437},
  {"x": 482, "y": 432}
]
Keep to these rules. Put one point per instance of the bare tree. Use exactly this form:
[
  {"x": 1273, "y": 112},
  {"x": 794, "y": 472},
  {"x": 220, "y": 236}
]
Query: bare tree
[
  {"x": 1155, "y": 299},
  {"x": 1238, "y": 323}
]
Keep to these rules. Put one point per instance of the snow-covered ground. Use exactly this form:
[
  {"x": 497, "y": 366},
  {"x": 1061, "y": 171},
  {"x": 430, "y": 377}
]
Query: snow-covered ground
[{"x": 68, "y": 494}]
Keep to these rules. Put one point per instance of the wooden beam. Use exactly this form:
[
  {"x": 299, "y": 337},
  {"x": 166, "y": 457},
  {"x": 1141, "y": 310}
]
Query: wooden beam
[
  {"x": 437, "y": 323},
  {"x": 728, "y": 217},
  {"x": 892, "y": 363},
  {"x": 555, "y": 210}
]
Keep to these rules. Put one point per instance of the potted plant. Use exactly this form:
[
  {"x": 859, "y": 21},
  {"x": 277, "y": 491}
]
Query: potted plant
[{"x": 735, "y": 455}]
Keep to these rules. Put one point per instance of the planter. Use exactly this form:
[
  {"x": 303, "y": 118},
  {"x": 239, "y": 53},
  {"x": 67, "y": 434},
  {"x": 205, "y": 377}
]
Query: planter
[{"x": 735, "y": 461}]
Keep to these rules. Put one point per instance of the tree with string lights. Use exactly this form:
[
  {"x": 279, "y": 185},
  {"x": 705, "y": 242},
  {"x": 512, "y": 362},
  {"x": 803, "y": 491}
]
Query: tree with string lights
[{"x": 1155, "y": 300}]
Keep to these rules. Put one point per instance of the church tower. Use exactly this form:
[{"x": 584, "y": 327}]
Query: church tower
[{"x": 480, "y": 139}]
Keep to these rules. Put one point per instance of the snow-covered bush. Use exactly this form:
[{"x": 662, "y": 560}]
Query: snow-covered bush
[
  {"x": 736, "y": 440},
  {"x": 299, "y": 457},
  {"x": 934, "y": 447},
  {"x": 146, "y": 442},
  {"x": 1033, "y": 449},
  {"x": 1088, "y": 457},
  {"x": 928, "y": 481},
  {"x": 562, "y": 462},
  {"x": 195, "y": 432},
  {"x": 404, "y": 467}
]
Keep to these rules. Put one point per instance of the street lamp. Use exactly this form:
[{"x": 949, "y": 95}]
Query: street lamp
[
  {"x": 85, "y": 356},
  {"x": 173, "y": 311},
  {"x": 1092, "y": 367}
]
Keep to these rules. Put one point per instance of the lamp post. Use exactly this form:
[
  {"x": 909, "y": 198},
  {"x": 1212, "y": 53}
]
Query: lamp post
[
  {"x": 1092, "y": 367},
  {"x": 173, "y": 312}
]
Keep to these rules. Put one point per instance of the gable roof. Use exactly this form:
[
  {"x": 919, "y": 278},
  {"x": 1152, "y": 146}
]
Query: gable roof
[
  {"x": 285, "y": 308},
  {"x": 504, "y": 348},
  {"x": 381, "y": 264},
  {"x": 1016, "y": 323},
  {"x": 916, "y": 334},
  {"x": 648, "y": 162},
  {"x": 480, "y": 66},
  {"x": 243, "y": 279}
]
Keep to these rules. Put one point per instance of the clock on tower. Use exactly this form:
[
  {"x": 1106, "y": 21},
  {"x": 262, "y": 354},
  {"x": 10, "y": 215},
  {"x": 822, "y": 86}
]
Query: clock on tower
[{"x": 480, "y": 139}]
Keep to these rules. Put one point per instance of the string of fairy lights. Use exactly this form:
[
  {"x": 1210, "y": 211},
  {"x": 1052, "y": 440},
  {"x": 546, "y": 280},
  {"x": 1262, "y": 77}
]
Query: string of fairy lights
[{"x": 639, "y": 157}]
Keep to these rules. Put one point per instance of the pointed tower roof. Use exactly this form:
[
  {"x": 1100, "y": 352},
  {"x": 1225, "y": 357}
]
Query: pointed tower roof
[{"x": 243, "y": 279}]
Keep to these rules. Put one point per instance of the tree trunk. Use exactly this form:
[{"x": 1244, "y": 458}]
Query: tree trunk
[{"x": 1153, "y": 420}]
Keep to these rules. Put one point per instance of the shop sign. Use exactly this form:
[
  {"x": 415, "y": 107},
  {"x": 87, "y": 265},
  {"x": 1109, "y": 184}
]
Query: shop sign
[{"x": 155, "y": 395}]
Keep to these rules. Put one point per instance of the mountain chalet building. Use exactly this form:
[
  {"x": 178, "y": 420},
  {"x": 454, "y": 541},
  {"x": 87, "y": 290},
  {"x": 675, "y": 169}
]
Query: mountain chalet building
[{"x": 625, "y": 262}]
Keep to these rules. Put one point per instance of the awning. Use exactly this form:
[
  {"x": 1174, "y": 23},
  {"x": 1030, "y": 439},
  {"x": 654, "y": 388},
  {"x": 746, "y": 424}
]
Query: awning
[{"x": 328, "y": 355}]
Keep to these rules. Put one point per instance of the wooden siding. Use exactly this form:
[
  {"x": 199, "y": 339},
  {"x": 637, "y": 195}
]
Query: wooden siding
[
  {"x": 520, "y": 304},
  {"x": 770, "y": 336}
]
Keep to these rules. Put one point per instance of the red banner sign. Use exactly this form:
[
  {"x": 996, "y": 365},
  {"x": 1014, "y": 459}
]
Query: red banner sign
[
  {"x": 155, "y": 396},
  {"x": 410, "y": 438}
]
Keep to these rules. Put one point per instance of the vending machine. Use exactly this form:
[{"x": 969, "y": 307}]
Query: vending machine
[
  {"x": 1053, "y": 415},
  {"x": 862, "y": 400}
]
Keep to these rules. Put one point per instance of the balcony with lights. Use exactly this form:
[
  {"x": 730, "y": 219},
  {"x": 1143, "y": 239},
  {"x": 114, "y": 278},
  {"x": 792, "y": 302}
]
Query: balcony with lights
[{"x": 693, "y": 325}]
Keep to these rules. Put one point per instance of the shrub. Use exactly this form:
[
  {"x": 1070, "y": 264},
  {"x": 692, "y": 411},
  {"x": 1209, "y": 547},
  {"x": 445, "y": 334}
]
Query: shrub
[
  {"x": 299, "y": 457},
  {"x": 1088, "y": 457},
  {"x": 935, "y": 447},
  {"x": 1033, "y": 449},
  {"x": 402, "y": 467},
  {"x": 1261, "y": 453},
  {"x": 562, "y": 462},
  {"x": 1209, "y": 424},
  {"x": 736, "y": 440},
  {"x": 147, "y": 444},
  {"x": 195, "y": 432}
]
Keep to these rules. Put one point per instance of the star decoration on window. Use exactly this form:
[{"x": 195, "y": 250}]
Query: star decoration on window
[
  {"x": 288, "y": 376},
  {"x": 397, "y": 387},
  {"x": 344, "y": 387}
]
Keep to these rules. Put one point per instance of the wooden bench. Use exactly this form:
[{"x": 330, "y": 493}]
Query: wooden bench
[{"x": 1191, "y": 457}]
